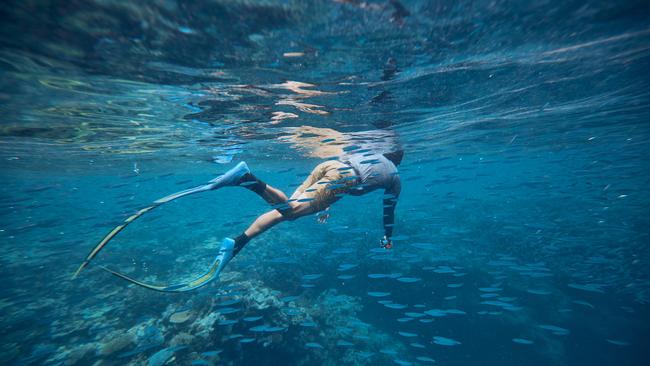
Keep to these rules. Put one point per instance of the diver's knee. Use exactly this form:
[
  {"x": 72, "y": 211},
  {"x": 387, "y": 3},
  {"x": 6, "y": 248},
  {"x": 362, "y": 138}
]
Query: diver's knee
[{"x": 295, "y": 211}]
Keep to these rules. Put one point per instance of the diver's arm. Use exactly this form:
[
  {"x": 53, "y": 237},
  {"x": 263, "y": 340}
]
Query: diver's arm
[{"x": 390, "y": 201}]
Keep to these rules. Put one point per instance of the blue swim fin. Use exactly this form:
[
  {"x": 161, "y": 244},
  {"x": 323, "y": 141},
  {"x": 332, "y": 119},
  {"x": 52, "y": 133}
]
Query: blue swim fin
[
  {"x": 231, "y": 177},
  {"x": 225, "y": 255}
]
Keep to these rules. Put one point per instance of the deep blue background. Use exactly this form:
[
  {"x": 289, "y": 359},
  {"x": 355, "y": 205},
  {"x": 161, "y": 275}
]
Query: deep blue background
[{"x": 525, "y": 127}]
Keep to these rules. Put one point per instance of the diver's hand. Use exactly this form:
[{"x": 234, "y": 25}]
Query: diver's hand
[
  {"x": 323, "y": 216},
  {"x": 386, "y": 243}
]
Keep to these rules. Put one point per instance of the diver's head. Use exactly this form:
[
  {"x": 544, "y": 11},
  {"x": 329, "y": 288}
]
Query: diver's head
[{"x": 395, "y": 157}]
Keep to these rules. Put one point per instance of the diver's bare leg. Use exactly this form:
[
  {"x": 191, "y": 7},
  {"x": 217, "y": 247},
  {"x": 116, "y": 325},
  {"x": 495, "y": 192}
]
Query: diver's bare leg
[
  {"x": 263, "y": 223},
  {"x": 270, "y": 194},
  {"x": 273, "y": 195},
  {"x": 270, "y": 219},
  {"x": 274, "y": 217}
]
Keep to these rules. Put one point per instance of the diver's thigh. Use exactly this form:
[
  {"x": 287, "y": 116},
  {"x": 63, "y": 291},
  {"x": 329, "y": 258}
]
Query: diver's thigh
[
  {"x": 316, "y": 174},
  {"x": 299, "y": 210}
]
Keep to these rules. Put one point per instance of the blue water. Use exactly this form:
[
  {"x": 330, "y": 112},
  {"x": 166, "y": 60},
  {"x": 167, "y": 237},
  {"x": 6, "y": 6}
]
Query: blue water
[{"x": 522, "y": 231}]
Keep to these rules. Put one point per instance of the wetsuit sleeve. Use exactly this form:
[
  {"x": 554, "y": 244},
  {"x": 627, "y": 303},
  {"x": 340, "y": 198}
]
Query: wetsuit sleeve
[{"x": 390, "y": 201}]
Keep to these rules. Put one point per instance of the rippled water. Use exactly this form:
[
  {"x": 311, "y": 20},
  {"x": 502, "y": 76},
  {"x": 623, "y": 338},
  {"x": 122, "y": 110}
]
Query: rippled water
[{"x": 521, "y": 231}]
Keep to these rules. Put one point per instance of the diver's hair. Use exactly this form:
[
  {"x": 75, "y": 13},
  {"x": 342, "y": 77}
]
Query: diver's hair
[{"x": 395, "y": 157}]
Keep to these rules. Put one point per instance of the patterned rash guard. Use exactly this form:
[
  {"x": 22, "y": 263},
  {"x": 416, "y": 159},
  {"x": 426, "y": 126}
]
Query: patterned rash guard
[{"x": 375, "y": 172}]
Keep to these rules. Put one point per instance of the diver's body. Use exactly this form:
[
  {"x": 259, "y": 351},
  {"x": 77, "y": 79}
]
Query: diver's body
[{"x": 356, "y": 175}]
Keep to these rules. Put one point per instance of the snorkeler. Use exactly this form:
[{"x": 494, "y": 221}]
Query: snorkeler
[
  {"x": 327, "y": 183},
  {"x": 355, "y": 174},
  {"x": 368, "y": 162}
]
